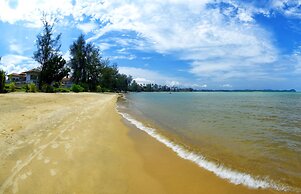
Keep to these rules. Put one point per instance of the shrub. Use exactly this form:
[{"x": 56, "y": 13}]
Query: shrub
[
  {"x": 64, "y": 90},
  {"x": 26, "y": 87},
  {"x": 12, "y": 87},
  {"x": 99, "y": 89},
  {"x": 85, "y": 86},
  {"x": 105, "y": 90},
  {"x": 6, "y": 87},
  {"x": 47, "y": 88},
  {"x": 77, "y": 88},
  {"x": 30, "y": 88},
  {"x": 56, "y": 84}
]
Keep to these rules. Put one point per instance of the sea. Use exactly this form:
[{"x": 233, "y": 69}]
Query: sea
[{"x": 248, "y": 138}]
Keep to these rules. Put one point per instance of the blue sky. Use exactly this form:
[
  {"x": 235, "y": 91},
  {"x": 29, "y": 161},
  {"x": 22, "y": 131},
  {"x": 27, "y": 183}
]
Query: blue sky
[{"x": 205, "y": 44}]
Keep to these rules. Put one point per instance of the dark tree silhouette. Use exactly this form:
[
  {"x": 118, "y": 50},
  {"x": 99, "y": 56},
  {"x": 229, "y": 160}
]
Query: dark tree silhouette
[
  {"x": 86, "y": 63},
  {"x": 78, "y": 61},
  {"x": 48, "y": 55},
  {"x": 2, "y": 80}
]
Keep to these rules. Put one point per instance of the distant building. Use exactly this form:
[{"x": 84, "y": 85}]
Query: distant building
[
  {"x": 67, "y": 82},
  {"x": 27, "y": 77},
  {"x": 32, "y": 76},
  {"x": 17, "y": 78}
]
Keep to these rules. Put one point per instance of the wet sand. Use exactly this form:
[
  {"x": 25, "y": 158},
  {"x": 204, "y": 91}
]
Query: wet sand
[{"x": 78, "y": 143}]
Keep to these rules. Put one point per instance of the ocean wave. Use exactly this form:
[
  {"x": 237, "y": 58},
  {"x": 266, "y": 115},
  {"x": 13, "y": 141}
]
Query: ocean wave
[{"x": 233, "y": 176}]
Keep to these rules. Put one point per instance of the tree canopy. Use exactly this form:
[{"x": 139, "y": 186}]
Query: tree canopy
[
  {"x": 53, "y": 65},
  {"x": 2, "y": 79},
  {"x": 91, "y": 71},
  {"x": 86, "y": 63}
]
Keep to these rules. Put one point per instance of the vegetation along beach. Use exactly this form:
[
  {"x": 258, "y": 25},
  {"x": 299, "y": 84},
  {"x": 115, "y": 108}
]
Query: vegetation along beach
[{"x": 150, "y": 97}]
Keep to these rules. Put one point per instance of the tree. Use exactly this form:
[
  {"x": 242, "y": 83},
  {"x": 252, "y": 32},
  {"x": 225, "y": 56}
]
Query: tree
[
  {"x": 148, "y": 88},
  {"x": 2, "y": 80},
  {"x": 109, "y": 77},
  {"x": 92, "y": 72},
  {"x": 95, "y": 64},
  {"x": 86, "y": 63},
  {"x": 134, "y": 87},
  {"x": 122, "y": 82},
  {"x": 48, "y": 55},
  {"x": 54, "y": 70},
  {"x": 78, "y": 62}
]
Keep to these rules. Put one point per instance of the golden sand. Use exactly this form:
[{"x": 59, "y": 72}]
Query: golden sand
[{"x": 78, "y": 143}]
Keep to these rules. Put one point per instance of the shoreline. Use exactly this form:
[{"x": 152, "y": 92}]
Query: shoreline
[
  {"x": 232, "y": 176},
  {"x": 145, "y": 134},
  {"x": 56, "y": 143}
]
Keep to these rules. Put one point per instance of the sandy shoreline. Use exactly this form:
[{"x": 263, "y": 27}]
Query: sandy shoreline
[{"x": 78, "y": 143}]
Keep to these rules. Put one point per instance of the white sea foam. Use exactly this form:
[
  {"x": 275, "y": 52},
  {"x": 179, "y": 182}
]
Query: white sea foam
[{"x": 233, "y": 176}]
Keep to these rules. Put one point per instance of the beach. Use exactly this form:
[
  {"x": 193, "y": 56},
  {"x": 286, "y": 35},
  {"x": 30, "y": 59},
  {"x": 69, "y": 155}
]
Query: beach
[{"x": 78, "y": 143}]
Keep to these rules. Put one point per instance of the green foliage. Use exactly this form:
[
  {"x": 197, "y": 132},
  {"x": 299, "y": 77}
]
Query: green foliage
[
  {"x": 6, "y": 87},
  {"x": 30, "y": 88},
  {"x": 49, "y": 56},
  {"x": 109, "y": 77},
  {"x": 55, "y": 88},
  {"x": 123, "y": 82},
  {"x": 85, "y": 86},
  {"x": 77, "y": 88},
  {"x": 12, "y": 87},
  {"x": 86, "y": 64},
  {"x": 63, "y": 90},
  {"x": 99, "y": 89},
  {"x": 56, "y": 84},
  {"x": 2, "y": 81},
  {"x": 25, "y": 87},
  {"x": 92, "y": 72},
  {"x": 135, "y": 87},
  {"x": 47, "y": 88},
  {"x": 53, "y": 70},
  {"x": 78, "y": 60}
]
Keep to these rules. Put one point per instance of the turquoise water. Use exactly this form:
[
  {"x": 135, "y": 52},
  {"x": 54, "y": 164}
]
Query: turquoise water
[{"x": 250, "y": 138}]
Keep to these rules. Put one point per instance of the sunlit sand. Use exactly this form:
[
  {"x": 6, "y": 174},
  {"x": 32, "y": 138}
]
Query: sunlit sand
[{"x": 78, "y": 143}]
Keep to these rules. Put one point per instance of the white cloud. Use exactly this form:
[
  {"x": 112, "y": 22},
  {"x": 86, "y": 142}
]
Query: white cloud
[
  {"x": 16, "y": 47},
  {"x": 290, "y": 8},
  {"x": 104, "y": 46},
  {"x": 141, "y": 80},
  {"x": 227, "y": 86},
  {"x": 245, "y": 16},
  {"x": 87, "y": 27},
  {"x": 173, "y": 83},
  {"x": 128, "y": 57},
  {"x": 67, "y": 55},
  {"x": 17, "y": 63},
  {"x": 214, "y": 42},
  {"x": 198, "y": 86},
  {"x": 123, "y": 53},
  {"x": 144, "y": 76},
  {"x": 220, "y": 44},
  {"x": 30, "y": 11},
  {"x": 296, "y": 60}
]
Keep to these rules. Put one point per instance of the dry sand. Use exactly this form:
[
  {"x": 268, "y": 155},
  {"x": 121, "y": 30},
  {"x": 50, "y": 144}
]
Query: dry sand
[{"x": 78, "y": 143}]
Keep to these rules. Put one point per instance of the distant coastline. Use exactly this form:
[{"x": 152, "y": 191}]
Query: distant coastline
[
  {"x": 246, "y": 90},
  {"x": 175, "y": 89}
]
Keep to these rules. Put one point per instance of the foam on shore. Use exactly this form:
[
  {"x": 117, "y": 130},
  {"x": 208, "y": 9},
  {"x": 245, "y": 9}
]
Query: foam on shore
[{"x": 233, "y": 176}]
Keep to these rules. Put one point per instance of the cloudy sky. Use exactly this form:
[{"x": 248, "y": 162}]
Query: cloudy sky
[{"x": 213, "y": 44}]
